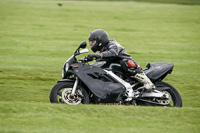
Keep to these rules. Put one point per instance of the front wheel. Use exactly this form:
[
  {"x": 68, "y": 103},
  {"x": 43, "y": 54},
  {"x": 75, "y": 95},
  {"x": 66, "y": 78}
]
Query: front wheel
[
  {"x": 61, "y": 93},
  {"x": 174, "y": 96}
]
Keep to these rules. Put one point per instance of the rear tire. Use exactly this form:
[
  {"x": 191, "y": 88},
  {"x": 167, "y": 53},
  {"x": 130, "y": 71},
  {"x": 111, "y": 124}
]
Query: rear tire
[
  {"x": 56, "y": 92},
  {"x": 176, "y": 100}
]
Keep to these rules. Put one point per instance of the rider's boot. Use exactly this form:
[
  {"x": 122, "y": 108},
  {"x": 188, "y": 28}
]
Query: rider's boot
[{"x": 148, "y": 86}]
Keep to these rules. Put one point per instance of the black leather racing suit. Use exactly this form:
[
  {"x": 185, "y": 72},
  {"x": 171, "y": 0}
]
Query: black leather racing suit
[{"x": 115, "y": 53}]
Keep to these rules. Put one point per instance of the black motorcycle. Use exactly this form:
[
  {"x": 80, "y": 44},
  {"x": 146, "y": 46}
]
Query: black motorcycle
[{"x": 106, "y": 83}]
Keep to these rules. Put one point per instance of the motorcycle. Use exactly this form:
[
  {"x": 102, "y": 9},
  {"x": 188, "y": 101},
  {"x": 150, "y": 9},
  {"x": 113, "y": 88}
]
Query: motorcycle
[{"x": 106, "y": 83}]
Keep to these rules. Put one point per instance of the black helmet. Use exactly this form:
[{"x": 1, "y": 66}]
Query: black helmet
[{"x": 101, "y": 38}]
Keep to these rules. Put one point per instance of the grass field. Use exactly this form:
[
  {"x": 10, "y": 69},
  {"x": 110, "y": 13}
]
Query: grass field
[{"x": 37, "y": 36}]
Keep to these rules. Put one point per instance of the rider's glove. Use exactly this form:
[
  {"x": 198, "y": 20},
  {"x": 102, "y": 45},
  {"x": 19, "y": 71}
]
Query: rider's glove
[{"x": 92, "y": 57}]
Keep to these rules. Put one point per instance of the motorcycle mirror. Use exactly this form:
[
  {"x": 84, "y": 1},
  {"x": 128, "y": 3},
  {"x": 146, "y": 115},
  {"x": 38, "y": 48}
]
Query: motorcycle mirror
[
  {"x": 84, "y": 51},
  {"x": 83, "y": 44}
]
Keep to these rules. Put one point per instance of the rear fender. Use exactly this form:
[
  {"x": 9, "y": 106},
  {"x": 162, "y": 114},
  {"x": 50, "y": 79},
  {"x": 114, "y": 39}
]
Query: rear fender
[{"x": 160, "y": 87}]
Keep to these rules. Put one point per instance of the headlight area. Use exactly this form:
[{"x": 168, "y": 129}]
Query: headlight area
[
  {"x": 66, "y": 67},
  {"x": 64, "y": 70},
  {"x": 63, "y": 73}
]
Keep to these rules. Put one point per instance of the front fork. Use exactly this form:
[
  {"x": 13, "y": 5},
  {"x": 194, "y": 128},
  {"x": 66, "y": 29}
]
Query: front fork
[{"x": 75, "y": 86}]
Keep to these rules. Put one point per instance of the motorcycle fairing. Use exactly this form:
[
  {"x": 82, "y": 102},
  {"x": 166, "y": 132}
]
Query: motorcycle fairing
[
  {"x": 114, "y": 96},
  {"x": 98, "y": 81},
  {"x": 158, "y": 71},
  {"x": 115, "y": 67}
]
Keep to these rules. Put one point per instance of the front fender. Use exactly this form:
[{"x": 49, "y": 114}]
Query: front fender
[{"x": 66, "y": 80}]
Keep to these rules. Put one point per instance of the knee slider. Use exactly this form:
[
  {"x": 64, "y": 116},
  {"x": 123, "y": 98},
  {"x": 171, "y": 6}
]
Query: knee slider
[{"x": 131, "y": 64}]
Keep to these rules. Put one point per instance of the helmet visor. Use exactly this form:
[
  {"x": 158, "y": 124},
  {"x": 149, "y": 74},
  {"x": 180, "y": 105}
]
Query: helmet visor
[{"x": 92, "y": 43}]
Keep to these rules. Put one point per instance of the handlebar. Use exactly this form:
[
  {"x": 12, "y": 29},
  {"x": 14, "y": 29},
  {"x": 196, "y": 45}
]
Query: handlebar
[{"x": 83, "y": 60}]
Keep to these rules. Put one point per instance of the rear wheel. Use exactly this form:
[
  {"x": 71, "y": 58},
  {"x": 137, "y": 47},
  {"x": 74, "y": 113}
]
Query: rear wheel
[
  {"x": 61, "y": 93},
  {"x": 174, "y": 99}
]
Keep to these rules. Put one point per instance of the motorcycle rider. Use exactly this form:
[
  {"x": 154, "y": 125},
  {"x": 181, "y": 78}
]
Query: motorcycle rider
[{"x": 112, "y": 51}]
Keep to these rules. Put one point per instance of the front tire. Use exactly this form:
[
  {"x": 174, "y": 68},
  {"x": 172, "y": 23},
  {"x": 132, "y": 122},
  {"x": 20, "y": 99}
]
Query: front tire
[{"x": 60, "y": 93}]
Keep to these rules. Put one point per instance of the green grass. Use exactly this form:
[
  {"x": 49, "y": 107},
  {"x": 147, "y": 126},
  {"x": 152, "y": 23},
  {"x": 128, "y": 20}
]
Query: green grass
[
  {"x": 184, "y": 2},
  {"x": 37, "y": 37},
  {"x": 42, "y": 117}
]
